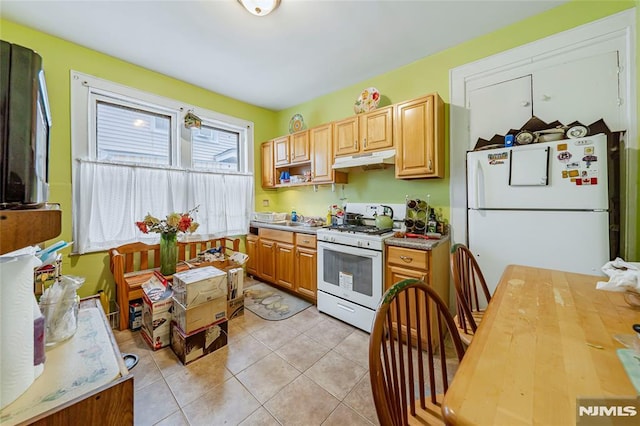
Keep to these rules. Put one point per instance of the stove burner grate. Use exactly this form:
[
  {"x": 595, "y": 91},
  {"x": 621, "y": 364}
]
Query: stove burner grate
[{"x": 360, "y": 229}]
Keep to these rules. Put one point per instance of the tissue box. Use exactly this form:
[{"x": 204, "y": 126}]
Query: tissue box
[
  {"x": 200, "y": 285},
  {"x": 156, "y": 312},
  {"x": 189, "y": 347},
  {"x": 199, "y": 316}
]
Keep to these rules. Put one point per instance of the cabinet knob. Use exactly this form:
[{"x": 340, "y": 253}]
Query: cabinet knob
[
  {"x": 364, "y": 142},
  {"x": 355, "y": 145},
  {"x": 430, "y": 165},
  {"x": 407, "y": 259},
  {"x": 525, "y": 103},
  {"x": 545, "y": 97}
]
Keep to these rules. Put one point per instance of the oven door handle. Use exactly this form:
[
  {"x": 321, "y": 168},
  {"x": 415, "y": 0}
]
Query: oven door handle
[{"x": 371, "y": 254}]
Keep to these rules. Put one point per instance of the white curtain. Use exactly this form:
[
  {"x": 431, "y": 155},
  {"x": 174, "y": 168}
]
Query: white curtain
[{"x": 110, "y": 198}]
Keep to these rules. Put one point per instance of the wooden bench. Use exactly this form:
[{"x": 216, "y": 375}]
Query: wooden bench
[{"x": 132, "y": 265}]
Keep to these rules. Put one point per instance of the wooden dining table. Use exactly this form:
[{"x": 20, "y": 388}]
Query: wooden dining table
[{"x": 546, "y": 339}]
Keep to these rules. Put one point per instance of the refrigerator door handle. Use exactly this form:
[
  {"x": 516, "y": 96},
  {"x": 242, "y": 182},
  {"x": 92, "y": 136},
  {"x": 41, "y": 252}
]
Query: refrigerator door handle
[{"x": 476, "y": 184}]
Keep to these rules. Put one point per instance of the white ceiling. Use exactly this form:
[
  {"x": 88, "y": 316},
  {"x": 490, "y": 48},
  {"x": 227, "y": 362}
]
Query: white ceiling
[{"x": 303, "y": 50}]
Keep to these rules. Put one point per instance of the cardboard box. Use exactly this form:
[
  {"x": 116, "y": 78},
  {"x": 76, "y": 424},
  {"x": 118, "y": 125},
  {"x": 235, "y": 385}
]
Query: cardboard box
[
  {"x": 156, "y": 312},
  {"x": 135, "y": 315},
  {"x": 199, "y": 285},
  {"x": 189, "y": 347},
  {"x": 199, "y": 316},
  {"x": 235, "y": 307}
]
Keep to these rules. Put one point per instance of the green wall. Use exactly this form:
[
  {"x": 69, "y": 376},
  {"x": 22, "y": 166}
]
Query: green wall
[
  {"x": 427, "y": 75},
  {"x": 59, "y": 58},
  {"x": 430, "y": 74}
]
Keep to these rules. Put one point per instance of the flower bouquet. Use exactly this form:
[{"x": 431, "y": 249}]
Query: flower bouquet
[{"x": 168, "y": 229}]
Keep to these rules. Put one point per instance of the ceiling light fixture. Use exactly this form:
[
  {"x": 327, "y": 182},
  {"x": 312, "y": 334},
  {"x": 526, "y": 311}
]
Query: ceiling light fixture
[
  {"x": 192, "y": 121},
  {"x": 260, "y": 7}
]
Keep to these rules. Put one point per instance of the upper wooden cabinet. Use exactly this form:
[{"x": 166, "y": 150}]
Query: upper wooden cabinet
[
  {"x": 368, "y": 132},
  {"x": 268, "y": 171},
  {"x": 419, "y": 138},
  {"x": 292, "y": 149},
  {"x": 281, "y": 150},
  {"x": 299, "y": 147},
  {"x": 321, "y": 139}
]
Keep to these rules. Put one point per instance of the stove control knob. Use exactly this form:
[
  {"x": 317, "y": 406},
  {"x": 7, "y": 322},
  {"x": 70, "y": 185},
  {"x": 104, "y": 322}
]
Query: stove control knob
[{"x": 359, "y": 243}]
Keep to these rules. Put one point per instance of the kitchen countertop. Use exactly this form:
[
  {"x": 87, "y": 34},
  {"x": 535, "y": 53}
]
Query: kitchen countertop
[
  {"x": 415, "y": 243},
  {"x": 301, "y": 229}
]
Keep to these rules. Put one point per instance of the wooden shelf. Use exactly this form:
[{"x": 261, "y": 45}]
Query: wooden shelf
[{"x": 22, "y": 228}]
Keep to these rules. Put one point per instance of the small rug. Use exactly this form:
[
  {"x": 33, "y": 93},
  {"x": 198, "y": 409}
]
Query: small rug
[{"x": 272, "y": 304}]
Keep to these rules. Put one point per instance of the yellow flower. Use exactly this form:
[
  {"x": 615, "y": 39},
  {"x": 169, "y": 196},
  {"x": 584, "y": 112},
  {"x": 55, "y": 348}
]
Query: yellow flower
[
  {"x": 193, "y": 227},
  {"x": 150, "y": 220},
  {"x": 173, "y": 220}
]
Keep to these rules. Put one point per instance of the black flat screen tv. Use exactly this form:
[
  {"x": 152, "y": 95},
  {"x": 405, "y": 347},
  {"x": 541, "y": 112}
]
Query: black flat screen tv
[{"x": 25, "y": 124}]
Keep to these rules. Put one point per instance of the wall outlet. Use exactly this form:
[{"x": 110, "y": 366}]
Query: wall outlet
[{"x": 265, "y": 203}]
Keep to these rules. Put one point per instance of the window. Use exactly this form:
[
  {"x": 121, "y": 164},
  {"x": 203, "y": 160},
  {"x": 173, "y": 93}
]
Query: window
[
  {"x": 133, "y": 156},
  {"x": 214, "y": 149},
  {"x": 130, "y": 135}
]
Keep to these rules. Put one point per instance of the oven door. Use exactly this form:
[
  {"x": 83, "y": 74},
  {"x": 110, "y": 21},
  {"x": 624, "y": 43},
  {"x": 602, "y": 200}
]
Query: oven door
[{"x": 351, "y": 273}]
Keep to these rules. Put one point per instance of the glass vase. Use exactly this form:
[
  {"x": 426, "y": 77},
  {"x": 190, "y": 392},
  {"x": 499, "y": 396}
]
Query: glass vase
[{"x": 168, "y": 253}]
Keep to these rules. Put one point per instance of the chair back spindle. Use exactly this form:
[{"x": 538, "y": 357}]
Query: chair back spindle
[{"x": 409, "y": 365}]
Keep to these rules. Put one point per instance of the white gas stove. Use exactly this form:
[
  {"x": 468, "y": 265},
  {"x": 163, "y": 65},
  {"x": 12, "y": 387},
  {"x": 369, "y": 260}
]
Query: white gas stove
[{"x": 351, "y": 265}]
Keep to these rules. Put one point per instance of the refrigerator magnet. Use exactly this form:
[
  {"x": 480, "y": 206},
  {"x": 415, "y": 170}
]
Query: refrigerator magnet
[
  {"x": 564, "y": 156},
  {"x": 574, "y": 165},
  {"x": 562, "y": 147},
  {"x": 587, "y": 181},
  {"x": 565, "y": 174},
  {"x": 497, "y": 158},
  {"x": 589, "y": 159},
  {"x": 589, "y": 150}
]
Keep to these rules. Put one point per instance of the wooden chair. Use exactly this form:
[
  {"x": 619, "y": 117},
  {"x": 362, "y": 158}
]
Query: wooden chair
[
  {"x": 409, "y": 373},
  {"x": 127, "y": 261},
  {"x": 472, "y": 294}
]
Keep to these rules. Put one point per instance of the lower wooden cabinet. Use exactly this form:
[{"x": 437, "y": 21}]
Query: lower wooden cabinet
[
  {"x": 267, "y": 260},
  {"x": 252, "y": 252},
  {"x": 431, "y": 266},
  {"x": 306, "y": 266},
  {"x": 285, "y": 274},
  {"x": 286, "y": 259}
]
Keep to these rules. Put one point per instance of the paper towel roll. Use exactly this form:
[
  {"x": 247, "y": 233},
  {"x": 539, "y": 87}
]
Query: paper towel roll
[{"x": 16, "y": 323}]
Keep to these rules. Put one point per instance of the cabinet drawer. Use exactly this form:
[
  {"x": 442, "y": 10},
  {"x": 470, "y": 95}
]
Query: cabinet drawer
[
  {"x": 409, "y": 258},
  {"x": 306, "y": 240},
  {"x": 276, "y": 235}
]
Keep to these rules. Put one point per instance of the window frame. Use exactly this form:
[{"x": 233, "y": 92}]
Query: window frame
[{"x": 86, "y": 90}]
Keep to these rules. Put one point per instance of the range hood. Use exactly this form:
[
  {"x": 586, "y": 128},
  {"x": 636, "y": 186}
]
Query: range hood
[{"x": 372, "y": 160}]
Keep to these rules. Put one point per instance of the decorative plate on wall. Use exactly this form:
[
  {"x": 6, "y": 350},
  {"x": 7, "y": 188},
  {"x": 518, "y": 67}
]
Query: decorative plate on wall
[
  {"x": 296, "y": 123},
  {"x": 367, "y": 101}
]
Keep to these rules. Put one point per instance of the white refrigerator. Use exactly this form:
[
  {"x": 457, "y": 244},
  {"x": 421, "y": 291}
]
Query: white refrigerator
[{"x": 543, "y": 205}]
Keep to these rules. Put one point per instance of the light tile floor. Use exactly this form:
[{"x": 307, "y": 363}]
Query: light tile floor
[{"x": 309, "y": 369}]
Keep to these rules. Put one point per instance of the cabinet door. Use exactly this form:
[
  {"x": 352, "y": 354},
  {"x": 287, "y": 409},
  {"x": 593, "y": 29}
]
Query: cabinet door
[
  {"x": 419, "y": 136},
  {"x": 376, "y": 129},
  {"x": 268, "y": 172},
  {"x": 299, "y": 145},
  {"x": 306, "y": 272},
  {"x": 281, "y": 150},
  {"x": 497, "y": 108},
  {"x": 584, "y": 90},
  {"x": 345, "y": 136},
  {"x": 285, "y": 273},
  {"x": 252, "y": 252},
  {"x": 267, "y": 260},
  {"x": 396, "y": 274},
  {"x": 322, "y": 153}
]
